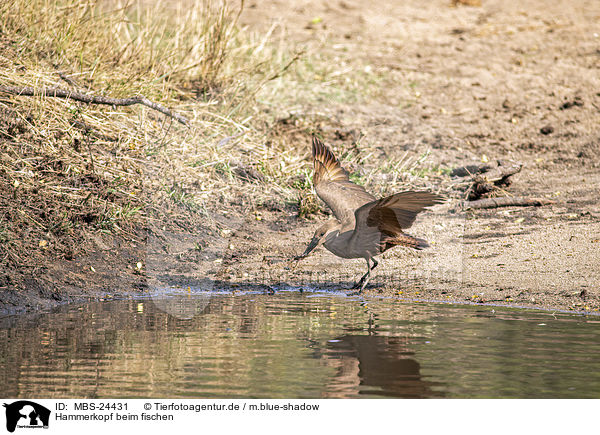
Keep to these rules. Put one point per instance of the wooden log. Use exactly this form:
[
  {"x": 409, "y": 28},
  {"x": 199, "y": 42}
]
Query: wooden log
[{"x": 506, "y": 201}]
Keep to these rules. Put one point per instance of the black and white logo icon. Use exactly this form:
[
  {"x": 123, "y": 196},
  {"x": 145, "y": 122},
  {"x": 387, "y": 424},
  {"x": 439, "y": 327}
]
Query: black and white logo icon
[{"x": 26, "y": 414}]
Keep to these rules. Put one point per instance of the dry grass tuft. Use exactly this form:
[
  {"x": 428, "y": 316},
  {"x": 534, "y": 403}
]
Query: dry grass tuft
[{"x": 68, "y": 169}]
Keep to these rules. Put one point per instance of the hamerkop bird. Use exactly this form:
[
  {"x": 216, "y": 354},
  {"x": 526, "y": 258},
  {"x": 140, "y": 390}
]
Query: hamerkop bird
[{"x": 363, "y": 226}]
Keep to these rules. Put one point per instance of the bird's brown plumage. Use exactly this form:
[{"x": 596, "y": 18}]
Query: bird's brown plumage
[
  {"x": 394, "y": 214},
  {"x": 365, "y": 226}
]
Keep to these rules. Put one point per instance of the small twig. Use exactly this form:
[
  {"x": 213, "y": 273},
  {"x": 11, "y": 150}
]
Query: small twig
[
  {"x": 237, "y": 17},
  {"x": 67, "y": 79},
  {"x": 93, "y": 99},
  {"x": 470, "y": 170},
  {"x": 33, "y": 220},
  {"x": 279, "y": 73},
  {"x": 500, "y": 176},
  {"x": 227, "y": 139},
  {"x": 397, "y": 66},
  {"x": 275, "y": 75},
  {"x": 89, "y": 147},
  {"x": 507, "y": 202}
]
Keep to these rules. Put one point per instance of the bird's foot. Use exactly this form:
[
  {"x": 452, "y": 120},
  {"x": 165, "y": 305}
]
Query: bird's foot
[
  {"x": 299, "y": 257},
  {"x": 295, "y": 261},
  {"x": 358, "y": 284}
]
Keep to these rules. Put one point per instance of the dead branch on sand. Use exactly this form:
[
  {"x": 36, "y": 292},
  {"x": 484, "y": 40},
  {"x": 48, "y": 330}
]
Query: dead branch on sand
[
  {"x": 93, "y": 99},
  {"x": 507, "y": 202},
  {"x": 491, "y": 179}
]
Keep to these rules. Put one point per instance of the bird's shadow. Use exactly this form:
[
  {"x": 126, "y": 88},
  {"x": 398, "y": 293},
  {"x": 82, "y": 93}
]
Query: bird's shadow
[{"x": 262, "y": 285}]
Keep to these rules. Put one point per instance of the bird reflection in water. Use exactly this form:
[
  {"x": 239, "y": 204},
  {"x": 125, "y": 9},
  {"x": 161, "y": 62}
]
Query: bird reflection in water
[{"x": 375, "y": 364}]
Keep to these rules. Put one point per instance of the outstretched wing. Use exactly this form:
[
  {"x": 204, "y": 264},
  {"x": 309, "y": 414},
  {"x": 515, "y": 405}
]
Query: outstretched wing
[
  {"x": 395, "y": 213},
  {"x": 334, "y": 187}
]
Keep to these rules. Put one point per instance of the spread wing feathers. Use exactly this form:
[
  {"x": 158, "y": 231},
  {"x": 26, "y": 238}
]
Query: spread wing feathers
[
  {"x": 334, "y": 187},
  {"x": 395, "y": 213},
  {"x": 327, "y": 167}
]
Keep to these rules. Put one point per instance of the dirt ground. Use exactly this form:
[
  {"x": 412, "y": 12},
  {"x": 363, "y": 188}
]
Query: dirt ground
[
  {"x": 481, "y": 82},
  {"x": 466, "y": 84}
]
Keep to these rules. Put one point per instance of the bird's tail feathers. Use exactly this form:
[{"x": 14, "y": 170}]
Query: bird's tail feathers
[
  {"x": 421, "y": 243},
  {"x": 406, "y": 240}
]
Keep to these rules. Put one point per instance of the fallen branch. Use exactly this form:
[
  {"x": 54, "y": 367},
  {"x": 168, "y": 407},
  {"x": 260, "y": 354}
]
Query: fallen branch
[
  {"x": 92, "y": 99},
  {"x": 507, "y": 202},
  {"x": 465, "y": 171},
  {"x": 500, "y": 176},
  {"x": 492, "y": 180}
]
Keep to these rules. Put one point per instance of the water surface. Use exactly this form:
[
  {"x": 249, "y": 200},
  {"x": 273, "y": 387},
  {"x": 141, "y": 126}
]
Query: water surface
[{"x": 297, "y": 345}]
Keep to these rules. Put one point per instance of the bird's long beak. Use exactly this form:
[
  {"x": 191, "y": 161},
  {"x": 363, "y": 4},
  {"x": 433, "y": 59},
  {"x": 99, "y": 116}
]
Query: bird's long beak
[{"x": 311, "y": 246}]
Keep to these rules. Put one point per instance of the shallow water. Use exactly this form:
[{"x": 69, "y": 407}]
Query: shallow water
[{"x": 297, "y": 345}]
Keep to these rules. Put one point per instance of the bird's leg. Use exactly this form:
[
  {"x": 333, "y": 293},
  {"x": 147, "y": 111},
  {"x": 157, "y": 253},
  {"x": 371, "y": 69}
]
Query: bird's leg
[
  {"x": 361, "y": 284},
  {"x": 375, "y": 263},
  {"x": 367, "y": 276}
]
